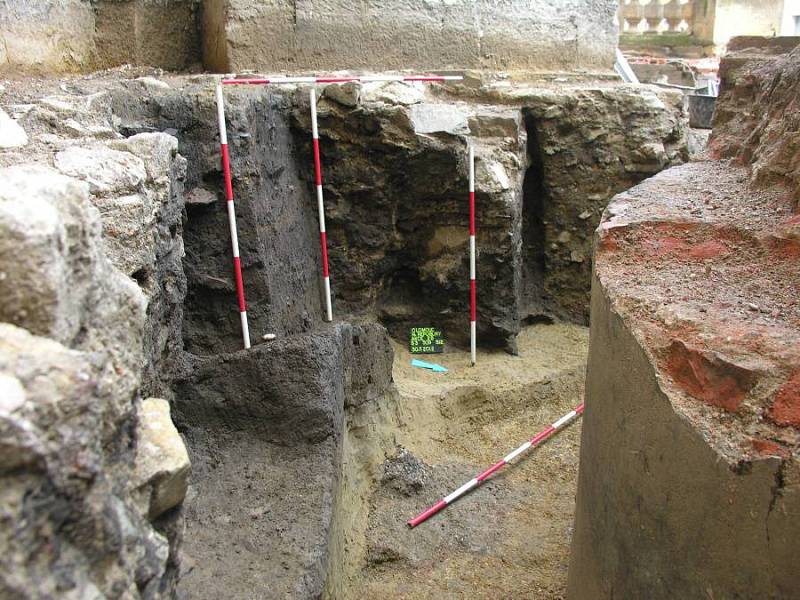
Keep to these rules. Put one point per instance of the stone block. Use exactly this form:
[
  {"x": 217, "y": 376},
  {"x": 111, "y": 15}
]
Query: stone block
[{"x": 162, "y": 463}]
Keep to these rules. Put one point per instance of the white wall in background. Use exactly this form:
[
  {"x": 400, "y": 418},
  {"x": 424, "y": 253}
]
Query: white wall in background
[{"x": 790, "y": 25}]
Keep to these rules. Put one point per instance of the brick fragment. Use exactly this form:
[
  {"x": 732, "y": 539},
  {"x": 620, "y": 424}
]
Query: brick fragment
[{"x": 708, "y": 377}]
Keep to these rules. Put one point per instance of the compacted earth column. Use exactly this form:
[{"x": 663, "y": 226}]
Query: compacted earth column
[{"x": 689, "y": 481}]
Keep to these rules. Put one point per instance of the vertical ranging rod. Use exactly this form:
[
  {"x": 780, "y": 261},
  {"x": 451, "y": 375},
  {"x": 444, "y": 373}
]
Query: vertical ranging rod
[
  {"x": 321, "y": 207},
  {"x": 226, "y": 170},
  {"x": 473, "y": 309}
]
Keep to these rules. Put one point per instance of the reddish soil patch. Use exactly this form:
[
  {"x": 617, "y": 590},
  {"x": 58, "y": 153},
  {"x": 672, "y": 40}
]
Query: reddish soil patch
[
  {"x": 709, "y": 249},
  {"x": 786, "y": 408},
  {"x": 708, "y": 377},
  {"x": 768, "y": 448}
]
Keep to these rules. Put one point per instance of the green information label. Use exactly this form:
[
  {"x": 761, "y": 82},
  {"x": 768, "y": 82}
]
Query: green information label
[{"x": 426, "y": 340}]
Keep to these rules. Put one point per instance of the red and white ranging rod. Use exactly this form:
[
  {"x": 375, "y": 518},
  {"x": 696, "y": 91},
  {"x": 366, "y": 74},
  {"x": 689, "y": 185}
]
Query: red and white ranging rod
[
  {"x": 232, "y": 80},
  {"x": 473, "y": 308},
  {"x": 473, "y": 483},
  {"x": 326, "y": 278},
  {"x": 226, "y": 170}
]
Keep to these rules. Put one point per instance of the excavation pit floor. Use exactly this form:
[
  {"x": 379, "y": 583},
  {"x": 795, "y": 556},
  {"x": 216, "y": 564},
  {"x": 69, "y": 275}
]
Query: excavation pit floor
[
  {"x": 271, "y": 520},
  {"x": 510, "y": 538}
]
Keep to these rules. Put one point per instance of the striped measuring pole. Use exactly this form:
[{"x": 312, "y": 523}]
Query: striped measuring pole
[
  {"x": 233, "y": 80},
  {"x": 473, "y": 306},
  {"x": 226, "y": 170},
  {"x": 323, "y": 239},
  {"x": 475, "y": 482}
]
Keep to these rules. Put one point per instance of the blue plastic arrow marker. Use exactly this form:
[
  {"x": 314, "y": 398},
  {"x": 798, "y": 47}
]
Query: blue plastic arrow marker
[{"x": 426, "y": 365}]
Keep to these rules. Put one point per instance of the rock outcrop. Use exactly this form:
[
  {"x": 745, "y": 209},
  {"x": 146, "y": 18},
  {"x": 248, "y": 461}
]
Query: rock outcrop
[{"x": 689, "y": 480}]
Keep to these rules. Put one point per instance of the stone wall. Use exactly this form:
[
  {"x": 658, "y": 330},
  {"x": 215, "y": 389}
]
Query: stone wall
[
  {"x": 585, "y": 145},
  {"x": 412, "y": 34},
  {"x": 753, "y": 17},
  {"x": 47, "y": 36},
  {"x": 82, "y": 35},
  {"x": 93, "y": 472},
  {"x": 158, "y": 33},
  {"x": 297, "y": 35}
]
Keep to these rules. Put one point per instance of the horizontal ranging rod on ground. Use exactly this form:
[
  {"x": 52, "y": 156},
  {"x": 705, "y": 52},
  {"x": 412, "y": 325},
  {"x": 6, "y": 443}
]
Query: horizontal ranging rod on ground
[
  {"x": 226, "y": 169},
  {"x": 250, "y": 80},
  {"x": 475, "y": 482}
]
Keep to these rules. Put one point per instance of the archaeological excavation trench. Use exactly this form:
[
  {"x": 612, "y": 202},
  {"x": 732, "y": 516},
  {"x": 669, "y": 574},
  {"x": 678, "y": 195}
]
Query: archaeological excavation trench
[
  {"x": 146, "y": 454},
  {"x": 310, "y": 452}
]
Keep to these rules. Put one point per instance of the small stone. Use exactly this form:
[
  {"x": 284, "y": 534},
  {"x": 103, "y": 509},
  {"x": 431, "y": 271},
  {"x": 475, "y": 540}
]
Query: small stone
[
  {"x": 12, "y": 135},
  {"x": 12, "y": 395},
  {"x": 268, "y": 337},
  {"x": 585, "y": 215},
  {"x": 162, "y": 462},
  {"x": 200, "y": 196},
  {"x": 104, "y": 169},
  {"x": 753, "y": 307},
  {"x": 404, "y": 472},
  {"x": 151, "y": 83},
  {"x": 346, "y": 94},
  {"x": 259, "y": 512},
  {"x": 564, "y": 237},
  {"x": 495, "y": 125},
  {"x": 157, "y": 151},
  {"x": 432, "y": 118},
  {"x": 491, "y": 176},
  {"x": 576, "y": 256},
  {"x": 395, "y": 92}
]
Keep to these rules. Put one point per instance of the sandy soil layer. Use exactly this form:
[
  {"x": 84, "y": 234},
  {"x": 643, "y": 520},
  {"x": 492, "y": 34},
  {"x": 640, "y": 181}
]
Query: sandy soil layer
[{"x": 508, "y": 539}]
